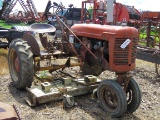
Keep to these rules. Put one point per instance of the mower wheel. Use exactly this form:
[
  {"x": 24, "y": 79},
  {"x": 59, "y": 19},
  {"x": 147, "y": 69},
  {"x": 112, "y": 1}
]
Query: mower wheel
[
  {"x": 95, "y": 94},
  {"x": 112, "y": 98},
  {"x": 20, "y": 60},
  {"x": 134, "y": 96},
  {"x": 68, "y": 101}
]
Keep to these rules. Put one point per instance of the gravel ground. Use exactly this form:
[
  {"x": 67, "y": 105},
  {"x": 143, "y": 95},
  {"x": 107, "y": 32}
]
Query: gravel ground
[{"x": 86, "y": 107}]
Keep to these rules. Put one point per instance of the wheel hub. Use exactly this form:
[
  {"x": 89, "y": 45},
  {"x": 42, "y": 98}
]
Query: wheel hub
[{"x": 110, "y": 98}]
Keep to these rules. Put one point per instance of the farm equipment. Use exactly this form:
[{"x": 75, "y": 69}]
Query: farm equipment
[
  {"x": 151, "y": 21},
  {"x": 110, "y": 12},
  {"x": 29, "y": 14},
  {"x": 94, "y": 48},
  {"x": 149, "y": 32},
  {"x": 11, "y": 34},
  {"x": 150, "y": 55},
  {"x": 71, "y": 14}
]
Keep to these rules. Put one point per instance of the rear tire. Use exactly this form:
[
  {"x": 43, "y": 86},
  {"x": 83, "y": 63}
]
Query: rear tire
[
  {"x": 112, "y": 98},
  {"x": 20, "y": 62}
]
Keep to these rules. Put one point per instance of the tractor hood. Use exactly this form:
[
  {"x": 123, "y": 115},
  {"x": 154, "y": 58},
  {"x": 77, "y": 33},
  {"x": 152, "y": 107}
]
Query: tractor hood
[{"x": 99, "y": 31}]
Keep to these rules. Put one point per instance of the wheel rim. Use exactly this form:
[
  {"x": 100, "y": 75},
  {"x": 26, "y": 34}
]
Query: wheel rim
[
  {"x": 14, "y": 65},
  {"x": 17, "y": 66},
  {"x": 109, "y": 98},
  {"x": 133, "y": 96},
  {"x": 129, "y": 95}
]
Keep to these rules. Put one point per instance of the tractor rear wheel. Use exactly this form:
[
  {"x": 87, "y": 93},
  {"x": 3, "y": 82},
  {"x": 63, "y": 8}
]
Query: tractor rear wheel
[
  {"x": 134, "y": 96},
  {"x": 112, "y": 98},
  {"x": 20, "y": 60}
]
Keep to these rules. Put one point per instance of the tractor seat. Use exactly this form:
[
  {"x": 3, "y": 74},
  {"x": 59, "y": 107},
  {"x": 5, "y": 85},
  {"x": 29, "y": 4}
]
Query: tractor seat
[{"x": 42, "y": 28}]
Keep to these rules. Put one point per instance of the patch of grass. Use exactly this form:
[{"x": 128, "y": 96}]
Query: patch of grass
[
  {"x": 42, "y": 74},
  {"x": 3, "y": 52},
  {"x": 142, "y": 36},
  {"x": 157, "y": 39},
  {"x": 9, "y": 25},
  {"x": 142, "y": 43},
  {"x": 4, "y": 60}
]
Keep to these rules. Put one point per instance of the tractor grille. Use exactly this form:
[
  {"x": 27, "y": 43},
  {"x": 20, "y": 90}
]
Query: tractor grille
[
  {"x": 134, "y": 50},
  {"x": 122, "y": 56}
]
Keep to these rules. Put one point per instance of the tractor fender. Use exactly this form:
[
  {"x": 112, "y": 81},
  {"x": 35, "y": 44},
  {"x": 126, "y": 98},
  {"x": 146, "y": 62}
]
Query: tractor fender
[
  {"x": 25, "y": 29},
  {"x": 31, "y": 40},
  {"x": 21, "y": 28}
]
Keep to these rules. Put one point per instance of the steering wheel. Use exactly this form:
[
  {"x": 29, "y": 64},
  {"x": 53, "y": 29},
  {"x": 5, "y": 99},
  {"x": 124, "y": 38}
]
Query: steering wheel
[{"x": 57, "y": 9}]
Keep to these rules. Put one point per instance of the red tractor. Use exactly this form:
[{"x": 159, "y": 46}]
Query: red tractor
[
  {"x": 97, "y": 48},
  {"x": 114, "y": 49}
]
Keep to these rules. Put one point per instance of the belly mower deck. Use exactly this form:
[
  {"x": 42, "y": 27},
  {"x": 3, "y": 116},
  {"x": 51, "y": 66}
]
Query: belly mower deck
[{"x": 58, "y": 89}]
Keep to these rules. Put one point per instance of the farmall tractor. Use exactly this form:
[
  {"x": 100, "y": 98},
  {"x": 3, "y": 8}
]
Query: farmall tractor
[{"x": 96, "y": 47}]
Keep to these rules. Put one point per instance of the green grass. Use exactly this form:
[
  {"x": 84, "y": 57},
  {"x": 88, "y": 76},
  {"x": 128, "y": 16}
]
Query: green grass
[
  {"x": 9, "y": 25},
  {"x": 142, "y": 35},
  {"x": 142, "y": 43}
]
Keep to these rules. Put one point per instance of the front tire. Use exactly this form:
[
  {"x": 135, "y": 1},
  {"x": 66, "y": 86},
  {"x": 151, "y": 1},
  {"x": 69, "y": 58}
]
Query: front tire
[
  {"x": 134, "y": 96},
  {"x": 112, "y": 98},
  {"x": 20, "y": 62}
]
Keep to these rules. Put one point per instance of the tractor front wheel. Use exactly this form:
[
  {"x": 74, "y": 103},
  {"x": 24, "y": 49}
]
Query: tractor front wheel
[
  {"x": 112, "y": 98},
  {"x": 20, "y": 61},
  {"x": 134, "y": 96}
]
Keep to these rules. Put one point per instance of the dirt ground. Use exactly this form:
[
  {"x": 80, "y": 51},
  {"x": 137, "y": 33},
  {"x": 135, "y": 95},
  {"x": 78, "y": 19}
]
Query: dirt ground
[{"x": 86, "y": 107}]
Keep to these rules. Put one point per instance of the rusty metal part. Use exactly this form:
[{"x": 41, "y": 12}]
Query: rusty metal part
[
  {"x": 55, "y": 46},
  {"x": 17, "y": 65},
  {"x": 94, "y": 69},
  {"x": 110, "y": 97},
  {"x": 31, "y": 41},
  {"x": 75, "y": 36},
  {"x": 126, "y": 81},
  {"x": 8, "y": 112},
  {"x": 54, "y": 67},
  {"x": 148, "y": 32},
  {"x": 157, "y": 67},
  {"x": 93, "y": 66},
  {"x": 150, "y": 55},
  {"x": 43, "y": 40},
  {"x": 157, "y": 56},
  {"x": 123, "y": 79},
  {"x": 66, "y": 38},
  {"x": 15, "y": 108},
  {"x": 50, "y": 46}
]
